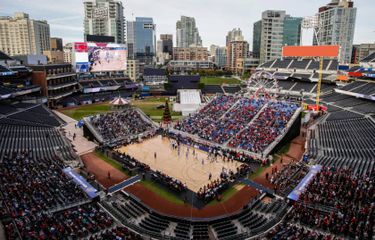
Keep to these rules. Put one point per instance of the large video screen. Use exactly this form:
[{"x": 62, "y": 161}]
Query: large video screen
[{"x": 100, "y": 57}]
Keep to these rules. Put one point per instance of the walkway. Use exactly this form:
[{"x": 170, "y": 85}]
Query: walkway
[{"x": 81, "y": 144}]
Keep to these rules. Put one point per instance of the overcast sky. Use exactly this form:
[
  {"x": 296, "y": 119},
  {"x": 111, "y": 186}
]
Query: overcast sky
[{"x": 214, "y": 18}]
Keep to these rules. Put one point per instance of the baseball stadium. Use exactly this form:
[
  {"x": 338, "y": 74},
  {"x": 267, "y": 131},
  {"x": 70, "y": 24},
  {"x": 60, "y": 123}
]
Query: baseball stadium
[{"x": 287, "y": 153}]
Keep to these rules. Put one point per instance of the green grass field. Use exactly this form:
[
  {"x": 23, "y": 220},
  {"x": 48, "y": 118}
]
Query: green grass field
[
  {"x": 149, "y": 107},
  {"x": 219, "y": 80},
  {"x": 80, "y": 112}
]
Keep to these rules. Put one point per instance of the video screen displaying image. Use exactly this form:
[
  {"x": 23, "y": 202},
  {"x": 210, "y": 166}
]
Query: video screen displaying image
[
  {"x": 99, "y": 57},
  {"x": 106, "y": 58}
]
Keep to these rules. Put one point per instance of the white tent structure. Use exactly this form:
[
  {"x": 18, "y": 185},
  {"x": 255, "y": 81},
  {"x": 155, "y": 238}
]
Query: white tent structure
[
  {"x": 119, "y": 103},
  {"x": 188, "y": 101}
]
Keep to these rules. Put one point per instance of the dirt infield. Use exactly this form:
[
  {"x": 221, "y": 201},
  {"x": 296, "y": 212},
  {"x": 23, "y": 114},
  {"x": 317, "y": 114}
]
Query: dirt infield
[
  {"x": 100, "y": 169},
  {"x": 234, "y": 204}
]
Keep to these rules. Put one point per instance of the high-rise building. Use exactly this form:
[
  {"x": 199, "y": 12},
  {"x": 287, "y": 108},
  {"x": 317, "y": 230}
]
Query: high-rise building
[
  {"x": 257, "y": 37},
  {"x": 276, "y": 30},
  {"x": 68, "y": 50},
  {"x": 235, "y": 50},
  {"x": 221, "y": 57},
  {"x": 292, "y": 31},
  {"x": 336, "y": 27},
  {"x": 105, "y": 18},
  {"x": 235, "y": 34},
  {"x": 187, "y": 33},
  {"x": 193, "y": 53},
  {"x": 141, "y": 39},
  {"x": 20, "y": 35},
  {"x": 361, "y": 51},
  {"x": 167, "y": 43},
  {"x": 56, "y": 44}
]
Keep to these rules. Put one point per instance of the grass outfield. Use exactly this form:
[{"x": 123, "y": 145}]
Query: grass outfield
[
  {"x": 219, "y": 80},
  {"x": 149, "y": 107},
  {"x": 80, "y": 112}
]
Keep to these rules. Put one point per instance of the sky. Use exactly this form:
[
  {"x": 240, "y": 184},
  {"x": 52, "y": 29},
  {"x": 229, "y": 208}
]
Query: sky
[{"x": 214, "y": 18}]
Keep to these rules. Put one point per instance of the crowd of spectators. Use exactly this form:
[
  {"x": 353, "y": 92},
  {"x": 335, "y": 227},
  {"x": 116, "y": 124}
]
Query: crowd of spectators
[
  {"x": 201, "y": 122},
  {"x": 119, "y": 126},
  {"x": 30, "y": 185},
  {"x": 74, "y": 223},
  {"x": 227, "y": 118},
  {"x": 129, "y": 162},
  {"x": 213, "y": 189},
  {"x": 270, "y": 123},
  {"x": 116, "y": 233},
  {"x": 234, "y": 120},
  {"x": 171, "y": 182},
  {"x": 350, "y": 199},
  {"x": 286, "y": 231},
  {"x": 286, "y": 179}
]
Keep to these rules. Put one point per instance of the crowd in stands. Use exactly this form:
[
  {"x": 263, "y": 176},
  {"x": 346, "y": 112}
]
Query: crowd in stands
[
  {"x": 226, "y": 118},
  {"x": 213, "y": 189},
  {"x": 207, "y": 116},
  {"x": 234, "y": 120},
  {"x": 349, "y": 198},
  {"x": 286, "y": 231},
  {"x": 75, "y": 223},
  {"x": 120, "y": 125},
  {"x": 171, "y": 182},
  {"x": 288, "y": 177},
  {"x": 116, "y": 233},
  {"x": 266, "y": 128},
  {"x": 30, "y": 185}
]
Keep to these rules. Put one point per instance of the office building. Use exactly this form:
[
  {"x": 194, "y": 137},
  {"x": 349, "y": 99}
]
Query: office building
[
  {"x": 292, "y": 31},
  {"x": 221, "y": 57},
  {"x": 275, "y": 30},
  {"x": 187, "y": 33},
  {"x": 68, "y": 50},
  {"x": 141, "y": 39},
  {"x": 193, "y": 53},
  {"x": 235, "y": 34},
  {"x": 56, "y": 44},
  {"x": 167, "y": 43},
  {"x": 20, "y": 35},
  {"x": 337, "y": 23},
  {"x": 235, "y": 50},
  {"x": 187, "y": 65},
  {"x": 104, "y": 18},
  {"x": 134, "y": 69},
  {"x": 257, "y": 37}
]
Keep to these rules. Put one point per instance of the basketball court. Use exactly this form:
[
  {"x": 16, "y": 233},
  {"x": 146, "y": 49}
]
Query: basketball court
[{"x": 193, "y": 170}]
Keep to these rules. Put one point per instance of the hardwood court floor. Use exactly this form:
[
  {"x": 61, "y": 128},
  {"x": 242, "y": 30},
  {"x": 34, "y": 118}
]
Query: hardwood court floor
[{"x": 185, "y": 167}]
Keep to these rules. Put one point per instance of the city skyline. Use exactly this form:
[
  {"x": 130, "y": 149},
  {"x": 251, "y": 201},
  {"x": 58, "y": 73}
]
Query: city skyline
[{"x": 66, "y": 18}]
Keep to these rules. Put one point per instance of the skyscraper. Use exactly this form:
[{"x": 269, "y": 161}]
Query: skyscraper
[
  {"x": 235, "y": 34},
  {"x": 237, "y": 49},
  {"x": 187, "y": 33},
  {"x": 141, "y": 39},
  {"x": 20, "y": 35},
  {"x": 276, "y": 30},
  {"x": 167, "y": 43},
  {"x": 105, "y": 18},
  {"x": 336, "y": 23},
  {"x": 257, "y": 37},
  {"x": 292, "y": 31},
  {"x": 221, "y": 57}
]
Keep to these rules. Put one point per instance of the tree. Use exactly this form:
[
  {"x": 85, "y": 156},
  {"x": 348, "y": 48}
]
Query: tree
[{"x": 167, "y": 113}]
